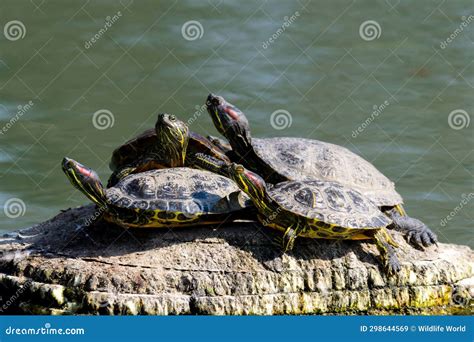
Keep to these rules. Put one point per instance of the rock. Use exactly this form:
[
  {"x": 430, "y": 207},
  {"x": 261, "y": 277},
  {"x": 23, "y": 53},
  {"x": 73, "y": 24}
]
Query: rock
[{"x": 63, "y": 266}]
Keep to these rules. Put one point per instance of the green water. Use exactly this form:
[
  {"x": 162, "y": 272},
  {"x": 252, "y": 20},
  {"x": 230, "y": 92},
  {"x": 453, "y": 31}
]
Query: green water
[{"x": 318, "y": 68}]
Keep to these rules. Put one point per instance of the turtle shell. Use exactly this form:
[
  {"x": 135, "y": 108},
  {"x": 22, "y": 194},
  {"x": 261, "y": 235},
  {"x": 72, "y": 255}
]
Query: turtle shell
[
  {"x": 301, "y": 159},
  {"x": 136, "y": 148},
  {"x": 132, "y": 149},
  {"x": 329, "y": 202},
  {"x": 183, "y": 190}
]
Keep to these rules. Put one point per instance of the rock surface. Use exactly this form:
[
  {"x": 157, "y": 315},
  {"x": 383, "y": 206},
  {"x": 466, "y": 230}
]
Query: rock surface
[{"x": 64, "y": 266}]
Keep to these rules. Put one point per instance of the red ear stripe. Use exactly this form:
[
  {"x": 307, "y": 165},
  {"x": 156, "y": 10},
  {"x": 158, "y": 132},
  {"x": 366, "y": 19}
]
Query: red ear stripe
[
  {"x": 253, "y": 178},
  {"x": 84, "y": 171},
  {"x": 233, "y": 114}
]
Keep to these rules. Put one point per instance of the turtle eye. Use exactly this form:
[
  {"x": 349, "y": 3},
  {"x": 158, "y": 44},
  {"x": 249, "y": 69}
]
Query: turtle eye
[
  {"x": 239, "y": 169},
  {"x": 172, "y": 118}
]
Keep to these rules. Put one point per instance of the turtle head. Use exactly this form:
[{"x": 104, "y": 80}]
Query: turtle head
[
  {"x": 249, "y": 182},
  {"x": 85, "y": 180},
  {"x": 173, "y": 135},
  {"x": 229, "y": 121}
]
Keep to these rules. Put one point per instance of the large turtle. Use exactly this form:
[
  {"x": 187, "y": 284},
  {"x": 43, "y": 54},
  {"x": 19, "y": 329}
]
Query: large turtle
[
  {"x": 169, "y": 144},
  {"x": 318, "y": 209},
  {"x": 162, "y": 198},
  {"x": 297, "y": 159}
]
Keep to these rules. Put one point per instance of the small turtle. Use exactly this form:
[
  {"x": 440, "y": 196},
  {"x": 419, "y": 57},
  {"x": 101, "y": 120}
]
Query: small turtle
[
  {"x": 162, "y": 198},
  {"x": 318, "y": 209},
  {"x": 169, "y": 144},
  {"x": 298, "y": 159}
]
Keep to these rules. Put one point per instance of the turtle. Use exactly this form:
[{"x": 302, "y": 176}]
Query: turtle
[
  {"x": 297, "y": 159},
  {"x": 169, "y": 144},
  {"x": 318, "y": 209},
  {"x": 172, "y": 197}
]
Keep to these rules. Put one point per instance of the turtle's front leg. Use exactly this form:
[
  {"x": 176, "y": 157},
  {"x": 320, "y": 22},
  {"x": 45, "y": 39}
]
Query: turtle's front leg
[
  {"x": 385, "y": 245},
  {"x": 415, "y": 231},
  {"x": 119, "y": 174}
]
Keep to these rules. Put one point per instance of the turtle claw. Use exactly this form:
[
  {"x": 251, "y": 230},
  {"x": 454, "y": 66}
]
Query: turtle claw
[
  {"x": 433, "y": 237},
  {"x": 417, "y": 238},
  {"x": 428, "y": 238},
  {"x": 393, "y": 266},
  {"x": 416, "y": 232},
  {"x": 422, "y": 237}
]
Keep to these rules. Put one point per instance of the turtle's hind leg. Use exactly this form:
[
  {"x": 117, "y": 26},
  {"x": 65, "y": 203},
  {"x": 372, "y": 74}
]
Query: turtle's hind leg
[
  {"x": 385, "y": 245},
  {"x": 415, "y": 231}
]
